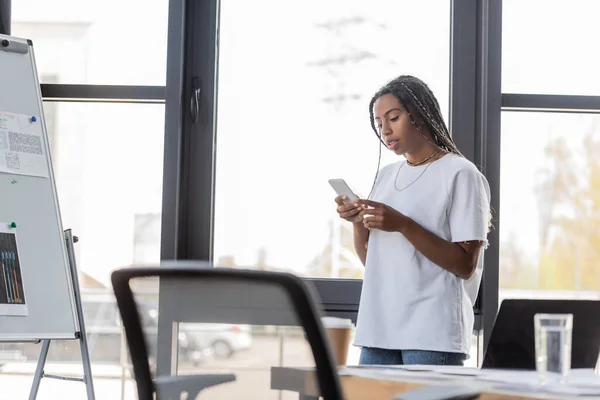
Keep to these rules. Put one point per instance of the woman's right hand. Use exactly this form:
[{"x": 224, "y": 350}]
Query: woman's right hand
[{"x": 349, "y": 212}]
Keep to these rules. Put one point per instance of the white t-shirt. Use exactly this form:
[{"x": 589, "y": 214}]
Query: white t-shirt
[{"x": 407, "y": 301}]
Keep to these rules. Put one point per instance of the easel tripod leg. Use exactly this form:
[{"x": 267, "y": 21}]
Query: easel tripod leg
[
  {"x": 87, "y": 368},
  {"x": 39, "y": 371},
  {"x": 81, "y": 336},
  {"x": 85, "y": 355}
]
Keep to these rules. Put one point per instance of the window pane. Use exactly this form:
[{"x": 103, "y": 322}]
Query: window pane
[
  {"x": 547, "y": 47},
  {"x": 108, "y": 161},
  {"x": 550, "y": 199},
  {"x": 108, "y": 166},
  {"x": 293, "y": 113},
  {"x": 248, "y": 351},
  {"x": 110, "y": 42}
]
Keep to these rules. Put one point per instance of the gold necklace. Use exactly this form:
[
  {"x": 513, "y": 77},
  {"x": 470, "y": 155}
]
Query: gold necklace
[
  {"x": 421, "y": 174},
  {"x": 398, "y": 173},
  {"x": 423, "y": 161}
]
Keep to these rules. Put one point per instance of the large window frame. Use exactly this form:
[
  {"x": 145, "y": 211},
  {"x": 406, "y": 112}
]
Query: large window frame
[
  {"x": 190, "y": 147},
  {"x": 476, "y": 103}
]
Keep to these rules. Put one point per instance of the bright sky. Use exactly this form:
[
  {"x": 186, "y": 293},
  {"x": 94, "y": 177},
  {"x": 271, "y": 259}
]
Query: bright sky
[{"x": 278, "y": 141}]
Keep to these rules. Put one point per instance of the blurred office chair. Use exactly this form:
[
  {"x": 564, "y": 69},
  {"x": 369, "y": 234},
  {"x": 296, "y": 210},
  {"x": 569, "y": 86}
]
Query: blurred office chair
[
  {"x": 200, "y": 294},
  {"x": 512, "y": 341}
]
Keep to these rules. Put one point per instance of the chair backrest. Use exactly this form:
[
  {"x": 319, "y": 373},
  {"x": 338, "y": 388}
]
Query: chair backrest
[
  {"x": 216, "y": 295},
  {"x": 512, "y": 341}
]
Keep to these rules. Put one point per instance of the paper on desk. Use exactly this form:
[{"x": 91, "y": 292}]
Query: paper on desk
[
  {"x": 509, "y": 376},
  {"x": 444, "y": 369},
  {"x": 584, "y": 376},
  {"x": 555, "y": 389},
  {"x": 426, "y": 371},
  {"x": 393, "y": 373},
  {"x": 581, "y": 382}
]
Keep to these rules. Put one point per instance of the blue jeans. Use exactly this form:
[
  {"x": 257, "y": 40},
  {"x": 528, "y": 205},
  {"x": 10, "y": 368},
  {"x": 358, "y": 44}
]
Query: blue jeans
[{"x": 375, "y": 356}]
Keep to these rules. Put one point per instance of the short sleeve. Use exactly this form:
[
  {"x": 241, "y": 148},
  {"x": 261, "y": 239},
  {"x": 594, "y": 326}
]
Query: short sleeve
[{"x": 469, "y": 210}]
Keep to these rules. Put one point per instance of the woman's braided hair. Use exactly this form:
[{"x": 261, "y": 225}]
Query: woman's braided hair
[{"x": 416, "y": 97}]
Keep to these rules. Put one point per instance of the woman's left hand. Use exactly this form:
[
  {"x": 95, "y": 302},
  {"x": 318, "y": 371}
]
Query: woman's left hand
[{"x": 382, "y": 217}]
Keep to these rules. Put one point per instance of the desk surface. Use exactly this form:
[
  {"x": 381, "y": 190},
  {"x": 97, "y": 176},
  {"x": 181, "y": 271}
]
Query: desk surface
[{"x": 358, "y": 385}]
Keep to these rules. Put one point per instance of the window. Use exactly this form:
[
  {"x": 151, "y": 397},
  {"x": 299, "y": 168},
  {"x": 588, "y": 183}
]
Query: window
[
  {"x": 248, "y": 351},
  {"x": 547, "y": 47},
  {"x": 550, "y": 179},
  {"x": 293, "y": 113},
  {"x": 108, "y": 164},
  {"x": 146, "y": 238},
  {"x": 88, "y": 42},
  {"x": 108, "y": 171},
  {"x": 100, "y": 313}
]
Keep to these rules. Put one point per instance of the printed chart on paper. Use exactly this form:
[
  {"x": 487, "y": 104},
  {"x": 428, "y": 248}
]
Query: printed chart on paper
[
  {"x": 22, "y": 149},
  {"x": 12, "y": 294}
]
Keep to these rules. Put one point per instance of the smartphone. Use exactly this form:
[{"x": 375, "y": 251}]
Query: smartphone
[{"x": 342, "y": 189}]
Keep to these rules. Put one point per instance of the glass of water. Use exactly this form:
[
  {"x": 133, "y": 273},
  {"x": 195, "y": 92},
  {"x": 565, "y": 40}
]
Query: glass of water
[{"x": 553, "y": 334}]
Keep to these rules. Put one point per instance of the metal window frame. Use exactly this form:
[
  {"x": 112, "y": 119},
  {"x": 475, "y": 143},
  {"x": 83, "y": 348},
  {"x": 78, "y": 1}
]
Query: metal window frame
[
  {"x": 476, "y": 54},
  {"x": 188, "y": 189},
  {"x": 172, "y": 211},
  {"x": 103, "y": 93},
  {"x": 550, "y": 103},
  {"x": 189, "y": 149},
  {"x": 476, "y": 103},
  {"x": 5, "y": 16},
  {"x": 509, "y": 102}
]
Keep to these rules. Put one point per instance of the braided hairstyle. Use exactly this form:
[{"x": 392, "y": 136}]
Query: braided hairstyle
[{"x": 416, "y": 97}]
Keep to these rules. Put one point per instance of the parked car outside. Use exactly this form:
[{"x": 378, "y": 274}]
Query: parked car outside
[{"x": 197, "y": 342}]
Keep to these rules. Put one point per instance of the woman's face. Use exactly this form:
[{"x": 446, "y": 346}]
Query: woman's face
[{"x": 394, "y": 125}]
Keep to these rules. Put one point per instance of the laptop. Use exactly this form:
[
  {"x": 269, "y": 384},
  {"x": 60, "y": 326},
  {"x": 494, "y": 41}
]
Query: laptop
[{"x": 512, "y": 342}]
